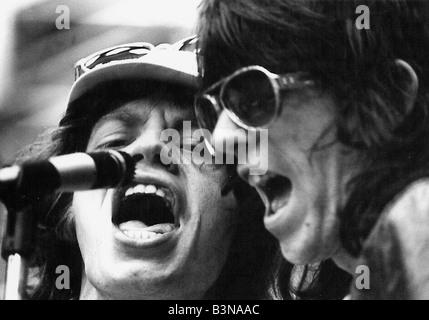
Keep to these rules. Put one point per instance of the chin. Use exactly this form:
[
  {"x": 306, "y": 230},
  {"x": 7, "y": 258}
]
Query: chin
[
  {"x": 129, "y": 282},
  {"x": 302, "y": 254}
]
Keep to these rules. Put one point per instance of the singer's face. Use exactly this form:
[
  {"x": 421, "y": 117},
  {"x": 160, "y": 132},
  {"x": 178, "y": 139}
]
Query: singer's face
[
  {"x": 308, "y": 173},
  {"x": 166, "y": 235}
]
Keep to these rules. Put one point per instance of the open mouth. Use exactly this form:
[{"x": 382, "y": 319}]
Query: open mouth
[
  {"x": 276, "y": 191},
  {"x": 144, "y": 211}
]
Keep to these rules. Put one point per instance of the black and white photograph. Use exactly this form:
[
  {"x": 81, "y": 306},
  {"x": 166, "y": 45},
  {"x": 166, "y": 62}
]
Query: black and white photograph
[{"x": 131, "y": 168}]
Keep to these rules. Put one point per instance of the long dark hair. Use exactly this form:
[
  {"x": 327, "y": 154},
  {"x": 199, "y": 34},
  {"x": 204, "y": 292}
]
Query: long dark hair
[
  {"x": 359, "y": 66},
  {"x": 253, "y": 263}
]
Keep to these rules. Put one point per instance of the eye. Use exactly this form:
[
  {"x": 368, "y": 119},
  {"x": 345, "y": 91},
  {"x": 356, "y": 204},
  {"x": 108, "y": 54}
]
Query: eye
[
  {"x": 111, "y": 134},
  {"x": 113, "y": 143},
  {"x": 190, "y": 143}
]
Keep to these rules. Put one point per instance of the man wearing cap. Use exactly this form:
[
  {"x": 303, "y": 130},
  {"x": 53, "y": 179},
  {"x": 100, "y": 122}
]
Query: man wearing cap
[{"x": 170, "y": 234}]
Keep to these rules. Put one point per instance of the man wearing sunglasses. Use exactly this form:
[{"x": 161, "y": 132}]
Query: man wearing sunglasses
[{"x": 346, "y": 111}]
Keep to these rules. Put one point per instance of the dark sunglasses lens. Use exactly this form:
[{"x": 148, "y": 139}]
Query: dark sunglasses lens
[
  {"x": 251, "y": 97},
  {"x": 206, "y": 113},
  {"x": 122, "y": 53}
]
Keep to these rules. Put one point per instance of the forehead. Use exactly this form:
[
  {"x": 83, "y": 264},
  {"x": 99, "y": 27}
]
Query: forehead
[{"x": 137, "y": 112}]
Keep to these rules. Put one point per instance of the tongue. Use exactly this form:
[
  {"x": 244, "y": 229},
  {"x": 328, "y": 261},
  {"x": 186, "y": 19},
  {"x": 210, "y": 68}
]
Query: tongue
[{"x": 133, "y": 224}]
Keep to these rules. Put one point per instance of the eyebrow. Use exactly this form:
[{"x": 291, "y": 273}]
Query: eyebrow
[
  {"x": 129, "y": 117},
  {"x": 132, "y": 117}
]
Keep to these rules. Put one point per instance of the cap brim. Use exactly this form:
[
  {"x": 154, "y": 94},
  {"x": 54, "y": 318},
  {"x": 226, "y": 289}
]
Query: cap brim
[{"x": 176, "y": 67}]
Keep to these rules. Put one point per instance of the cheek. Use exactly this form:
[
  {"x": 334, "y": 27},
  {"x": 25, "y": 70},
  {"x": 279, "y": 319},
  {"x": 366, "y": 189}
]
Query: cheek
[
  {"x": 92, "y": 213},
  {"x": 217, "y": 214},
  {"x": 204, "y": 188},
  {"x": 218, "y": 225},
  {"x": 305, "y": 123},
  {"x": 301, "y": 151}
]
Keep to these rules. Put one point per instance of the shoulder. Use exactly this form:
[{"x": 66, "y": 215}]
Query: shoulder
[
  {"x": 410, "y": 208},
  {"x": 406, "y": 219},
  {"x": 397, "y": 249}
]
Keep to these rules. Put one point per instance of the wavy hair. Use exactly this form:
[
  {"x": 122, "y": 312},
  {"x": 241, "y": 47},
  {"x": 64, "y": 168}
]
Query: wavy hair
[{"x": 377, "y": 113}]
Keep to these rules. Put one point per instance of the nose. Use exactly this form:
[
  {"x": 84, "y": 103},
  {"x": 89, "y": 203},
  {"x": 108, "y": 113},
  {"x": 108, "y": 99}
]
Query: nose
[
  {"x": 230, "y": 139},
  {"x": 148, "y": 147}
]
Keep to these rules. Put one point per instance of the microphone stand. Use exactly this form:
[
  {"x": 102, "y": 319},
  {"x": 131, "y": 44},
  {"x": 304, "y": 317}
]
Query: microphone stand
[
  {"x": 17, "y": 247},
  {"x": 20, "y": 187}
]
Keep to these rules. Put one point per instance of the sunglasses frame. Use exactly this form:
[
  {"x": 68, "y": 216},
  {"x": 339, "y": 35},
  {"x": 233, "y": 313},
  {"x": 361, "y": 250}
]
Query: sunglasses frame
[{"x": 279, "y": 83}]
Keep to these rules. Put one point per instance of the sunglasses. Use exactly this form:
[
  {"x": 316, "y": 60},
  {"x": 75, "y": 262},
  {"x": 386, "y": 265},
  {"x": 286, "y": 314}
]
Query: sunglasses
[
  {"x": 251, "y": 97},
  {"x": 122, "y": 52},
  {"x": 127, "y": 51}
]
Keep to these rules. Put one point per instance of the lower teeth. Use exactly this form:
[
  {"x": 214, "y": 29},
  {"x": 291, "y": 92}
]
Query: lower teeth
[{"x": 137, "y": 234}]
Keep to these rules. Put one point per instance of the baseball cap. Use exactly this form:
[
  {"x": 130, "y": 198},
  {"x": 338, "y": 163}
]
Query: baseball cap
[{"x": 172, "y": 63}]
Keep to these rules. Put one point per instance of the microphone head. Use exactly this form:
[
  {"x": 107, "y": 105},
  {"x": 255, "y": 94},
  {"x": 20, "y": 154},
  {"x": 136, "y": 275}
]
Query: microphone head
[
  {"x": 114, "y": 168},
  {"x": 68, "y": 173}
]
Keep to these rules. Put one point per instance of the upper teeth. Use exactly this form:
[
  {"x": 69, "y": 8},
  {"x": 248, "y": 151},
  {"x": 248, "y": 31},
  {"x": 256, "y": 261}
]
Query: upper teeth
[
  {"x": 150, "y": 189},
  {"x": 260, "y": 180}
]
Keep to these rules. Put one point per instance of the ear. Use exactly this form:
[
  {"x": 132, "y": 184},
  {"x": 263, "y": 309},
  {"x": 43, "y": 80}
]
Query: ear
[{"x": 413, "y": 82}]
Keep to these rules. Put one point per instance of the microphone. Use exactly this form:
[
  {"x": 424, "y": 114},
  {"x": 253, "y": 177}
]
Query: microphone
[{"x": 68, "y": 173}]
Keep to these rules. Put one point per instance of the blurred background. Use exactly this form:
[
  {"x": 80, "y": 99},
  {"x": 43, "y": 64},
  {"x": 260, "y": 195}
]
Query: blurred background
[{"x": 37, "y": 57}]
